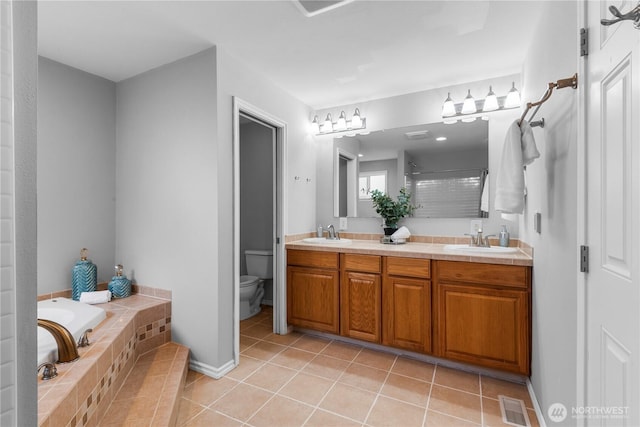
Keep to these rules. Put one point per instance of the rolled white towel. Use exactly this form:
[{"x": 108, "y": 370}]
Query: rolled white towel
[
  {"x": 401, "y": 234},
  {"x": 97, "y": 297}
]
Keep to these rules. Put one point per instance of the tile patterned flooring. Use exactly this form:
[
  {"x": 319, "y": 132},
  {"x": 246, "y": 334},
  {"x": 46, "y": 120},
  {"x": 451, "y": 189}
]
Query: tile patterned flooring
[{"x": 303, "y": 380}]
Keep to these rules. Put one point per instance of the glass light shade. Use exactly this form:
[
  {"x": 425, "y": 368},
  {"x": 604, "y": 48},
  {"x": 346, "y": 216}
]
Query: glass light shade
[
  {"x": 469, "y": 106},
  {"x": 328, "y": 124},
  {"x": 491, "y": 101},
  {"x": 341, "y": 124},
  {"x": 468, "y": 119},
  {"x": 356, "y": 121},
  {"x": 448, "y": 108},
  {"x": 450, "y": 121},
  {"x": 315, "y": 126},
  {"x": 513, "y": 97}
]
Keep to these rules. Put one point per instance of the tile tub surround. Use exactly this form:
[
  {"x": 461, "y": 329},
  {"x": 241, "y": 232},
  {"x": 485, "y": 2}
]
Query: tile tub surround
[
  {"x": 83, "y": 390},
  {"x": 414, "y": 249}
]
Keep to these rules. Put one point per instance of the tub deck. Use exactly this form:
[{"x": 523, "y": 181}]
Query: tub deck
[{"x": 83, "y": 390}]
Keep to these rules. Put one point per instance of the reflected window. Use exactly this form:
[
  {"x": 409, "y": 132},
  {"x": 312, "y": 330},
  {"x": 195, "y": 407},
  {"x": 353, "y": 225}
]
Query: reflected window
[{"x": 369, "y": 181}]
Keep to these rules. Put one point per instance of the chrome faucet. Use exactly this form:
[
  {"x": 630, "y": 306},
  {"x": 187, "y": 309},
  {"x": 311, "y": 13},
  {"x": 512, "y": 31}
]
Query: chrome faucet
[
  {"x": 478, "y": 240},
  {"x": 332, "y": 233},
  {"x": 67, "y": 349}
]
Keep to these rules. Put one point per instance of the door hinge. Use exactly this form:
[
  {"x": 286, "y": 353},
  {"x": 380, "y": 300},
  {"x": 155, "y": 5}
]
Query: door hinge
[
  {"x": 277, "y": 240},
  {"x": 584, "y": 42},
  {"x": 584, "y": 259}
]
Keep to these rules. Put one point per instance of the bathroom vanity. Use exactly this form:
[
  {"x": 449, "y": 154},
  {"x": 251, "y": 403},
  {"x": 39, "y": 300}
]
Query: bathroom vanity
[{"x": 419, "y": 297}]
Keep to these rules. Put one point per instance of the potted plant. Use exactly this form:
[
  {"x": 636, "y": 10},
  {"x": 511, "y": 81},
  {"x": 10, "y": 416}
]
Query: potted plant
[{"x": 392, "y": 211}]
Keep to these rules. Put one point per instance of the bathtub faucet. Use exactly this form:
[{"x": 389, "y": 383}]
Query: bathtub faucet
[{"x": 67, "y": 349}]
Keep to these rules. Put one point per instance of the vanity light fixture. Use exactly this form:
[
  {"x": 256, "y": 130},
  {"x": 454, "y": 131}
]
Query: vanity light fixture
[
  {"x": 341, "y": 125},
  {"x": 468, "y": 110}
]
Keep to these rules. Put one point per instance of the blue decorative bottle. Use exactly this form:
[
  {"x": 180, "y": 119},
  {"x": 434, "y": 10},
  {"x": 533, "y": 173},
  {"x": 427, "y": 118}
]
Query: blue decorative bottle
[
  {"x": 84, "y": 276},
  {"x": 119, "y": 285}
]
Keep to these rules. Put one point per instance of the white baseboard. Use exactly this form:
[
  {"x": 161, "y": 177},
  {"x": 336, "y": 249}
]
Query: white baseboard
[
  {"x": 211, "y": 371},
  {"x": 536, "y": 405}
]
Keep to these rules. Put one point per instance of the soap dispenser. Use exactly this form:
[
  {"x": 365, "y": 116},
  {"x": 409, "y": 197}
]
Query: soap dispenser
[
  {"x": 84, "y": 276},
  {"x": 120, "y": 286},
  {"x": 504, "y": 236}
]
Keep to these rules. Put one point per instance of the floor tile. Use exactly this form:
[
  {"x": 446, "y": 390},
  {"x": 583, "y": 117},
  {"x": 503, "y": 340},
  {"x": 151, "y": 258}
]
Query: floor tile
[
  {"x": 287, "y": 339},
  {"x": 459, "y": 380},
  {"x": 456, "y": 403},
  {"x": 342, "y": 350},
  {"x": 208, "y": 418},
  {"x": 414, "y": 368},
  {"x": 310, "y": 343},
  {"x": 407, "y": 389},
  {"x": 246, "y": 367},
  {"x": 492, "y": 388},
  {"x": 322, "y": 418},
  {"x": 264, "y": 350},
  {"x": 364, "y": 377},
  {"x": 270, "y": 377},
  {"x": 242, "y": 402},
  {"x": 326, "y": 367},
  {"x": 390, "y": 412},
  {"x": 307, "y": 388},
  {"x": 187, "y": 410},
  {"x": 375, "y": 359},
  {"x": 246, "y": 342},
  {"x": 436, "y": 419},
  {"x": 206, "y": 390},
  {"x": 281, "y": 412},
  {"x": 492, "y": 415},
  {"x": 257, "y": 331},
  {"x": 348, "y": 401},
  {"x": 293, "y": 358}
]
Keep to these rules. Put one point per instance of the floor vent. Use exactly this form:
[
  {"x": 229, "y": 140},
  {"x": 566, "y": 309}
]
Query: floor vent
[{"x": 514, "y": 413}]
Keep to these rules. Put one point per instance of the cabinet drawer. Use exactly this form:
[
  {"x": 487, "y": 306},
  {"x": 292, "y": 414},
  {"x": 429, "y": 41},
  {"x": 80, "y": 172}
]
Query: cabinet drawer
[
  {"x": 312, "y": 259},
  {"x": 364, "y": 263},
  {"x": 485, "y": 274},
  {"x": 408, "y": 267}
]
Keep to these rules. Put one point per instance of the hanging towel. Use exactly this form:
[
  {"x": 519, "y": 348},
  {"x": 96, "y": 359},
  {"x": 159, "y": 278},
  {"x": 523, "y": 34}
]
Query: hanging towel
[
  {"x": 484, "y": 198},
  {"x": 95, "y": 297},
  {"x": 519, "y": 150}
]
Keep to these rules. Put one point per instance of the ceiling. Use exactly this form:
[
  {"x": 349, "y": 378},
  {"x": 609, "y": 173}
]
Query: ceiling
[{"x": 360, "y": 51}]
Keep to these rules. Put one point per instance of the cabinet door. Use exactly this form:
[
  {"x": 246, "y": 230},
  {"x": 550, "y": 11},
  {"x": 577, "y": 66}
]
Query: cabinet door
[
  {"x": 360, "y": 306},
  {"x": 313, "y": 298},
  {"x": 485, "y": 326},
  {"x": 406, "y": 313}
]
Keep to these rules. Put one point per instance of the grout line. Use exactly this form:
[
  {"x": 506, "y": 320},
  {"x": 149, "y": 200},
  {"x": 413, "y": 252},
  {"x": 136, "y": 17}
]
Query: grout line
[
  {"x": 481, "y": 402},
  {"x": 375, "y": 400}
]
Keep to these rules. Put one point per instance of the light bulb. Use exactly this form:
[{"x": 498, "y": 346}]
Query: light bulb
[
  {"x": 356, "y": 121},
  {"x": 448, "y": 108},
  {"x": 491, "y": 101},
  {"x": 315, "y": 126},
  {"x": 341, "y": 124},
  {"x": 469, "y": 106},
  {"x": 328, "y": 124},
  {"x": 513, "y": 97}
]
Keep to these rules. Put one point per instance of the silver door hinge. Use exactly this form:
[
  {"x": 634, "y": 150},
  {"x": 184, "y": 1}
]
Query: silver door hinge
[
  {"x": 584, "y": 42},
  {"x": 277, "y": 240},
  {"x": 584, "y": 259}
]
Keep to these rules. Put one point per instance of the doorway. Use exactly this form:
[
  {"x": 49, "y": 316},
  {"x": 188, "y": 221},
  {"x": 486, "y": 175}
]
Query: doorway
[{"x": 267, "y": 200}]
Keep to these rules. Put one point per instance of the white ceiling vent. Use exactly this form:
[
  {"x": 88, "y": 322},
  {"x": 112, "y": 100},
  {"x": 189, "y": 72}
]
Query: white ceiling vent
[
  {"x": 420, "y": 134},
  {"x": 315, "y": 7}
]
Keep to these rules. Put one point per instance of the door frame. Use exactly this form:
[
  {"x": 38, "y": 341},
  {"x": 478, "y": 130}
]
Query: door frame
[{"x": 280, "y": 166}]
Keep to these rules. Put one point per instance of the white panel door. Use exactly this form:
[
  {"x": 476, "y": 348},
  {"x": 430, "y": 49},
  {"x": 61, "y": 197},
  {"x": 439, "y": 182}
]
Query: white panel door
[{"x": 613, "y": 219}]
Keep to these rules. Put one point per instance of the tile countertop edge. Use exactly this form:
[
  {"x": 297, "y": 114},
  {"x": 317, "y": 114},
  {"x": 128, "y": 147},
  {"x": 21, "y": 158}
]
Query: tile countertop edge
[{"x": 414, "y": 250}]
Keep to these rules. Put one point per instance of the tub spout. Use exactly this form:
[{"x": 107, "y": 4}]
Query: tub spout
[{"x": 67, "y": 349}]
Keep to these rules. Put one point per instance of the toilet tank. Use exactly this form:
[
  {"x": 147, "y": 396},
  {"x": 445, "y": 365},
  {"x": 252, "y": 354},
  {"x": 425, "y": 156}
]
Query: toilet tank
[{"x": 259, "y": 263}]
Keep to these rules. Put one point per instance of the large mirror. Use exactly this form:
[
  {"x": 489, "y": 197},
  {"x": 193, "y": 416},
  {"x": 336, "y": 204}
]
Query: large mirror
[{"x": 444, "y": 166}]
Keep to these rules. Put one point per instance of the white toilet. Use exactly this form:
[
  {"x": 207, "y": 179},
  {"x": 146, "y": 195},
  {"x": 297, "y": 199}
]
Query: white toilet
[{"x": 259, "y": 268}]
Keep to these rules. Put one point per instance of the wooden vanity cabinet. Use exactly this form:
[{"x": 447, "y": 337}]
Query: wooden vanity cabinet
[
  {"x": 360, "y": 296},
  {"x": 406, "y": 302},
  {"x": 313, "y": 290},
  {"x": 483, "y": 314}
]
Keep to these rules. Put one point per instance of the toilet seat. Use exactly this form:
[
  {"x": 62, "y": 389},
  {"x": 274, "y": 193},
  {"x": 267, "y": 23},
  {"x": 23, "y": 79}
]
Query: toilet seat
[{"x": 247, "y": 280}]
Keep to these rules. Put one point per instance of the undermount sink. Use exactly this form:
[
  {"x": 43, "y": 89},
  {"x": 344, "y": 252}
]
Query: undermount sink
[
  {"x": 490, "y": 250},
  {"x": 325, "y": 240}
]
